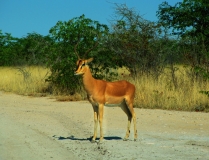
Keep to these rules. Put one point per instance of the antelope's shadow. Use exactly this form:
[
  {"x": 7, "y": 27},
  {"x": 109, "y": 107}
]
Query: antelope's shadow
[{"x": 85, "y": 139}]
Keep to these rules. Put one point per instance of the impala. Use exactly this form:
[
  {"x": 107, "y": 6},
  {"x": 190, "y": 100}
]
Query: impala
[{"x": 101, "y": 93}]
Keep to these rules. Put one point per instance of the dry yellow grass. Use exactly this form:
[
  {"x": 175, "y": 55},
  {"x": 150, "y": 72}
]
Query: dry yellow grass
[
  {"x": 149, "y": 92},
  {"x": 23, "y": 80},
  {"x": 161, "y": 93}
]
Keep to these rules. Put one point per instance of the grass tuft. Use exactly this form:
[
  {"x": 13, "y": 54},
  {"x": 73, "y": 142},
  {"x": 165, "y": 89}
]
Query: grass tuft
[{"x": 24, "y": 80}]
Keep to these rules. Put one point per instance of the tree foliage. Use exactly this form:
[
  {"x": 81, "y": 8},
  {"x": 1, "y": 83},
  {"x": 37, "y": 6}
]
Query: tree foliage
[
  {"x": 34, "y": 48},
  {"x": 80, "y": 35},
  {"x": 30, "y": 50},
  {"x": 187, "y": 19},
  {"x": 7, "y": 54},
  {"x": 134, "y": 42}
]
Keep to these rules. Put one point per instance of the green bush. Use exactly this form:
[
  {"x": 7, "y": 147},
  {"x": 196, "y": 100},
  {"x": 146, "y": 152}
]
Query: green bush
[{"x": 84, "y": 36}]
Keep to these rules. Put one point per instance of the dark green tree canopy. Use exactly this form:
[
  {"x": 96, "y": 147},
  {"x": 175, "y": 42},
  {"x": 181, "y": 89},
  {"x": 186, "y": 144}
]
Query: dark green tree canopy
[
  {"x": 78, "y": 35},
  {"x": 80, "y": 30},
  {"x": 190, "y": 17}
]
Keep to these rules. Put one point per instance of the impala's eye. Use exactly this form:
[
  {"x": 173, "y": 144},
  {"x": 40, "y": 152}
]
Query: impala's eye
[{"x": 83, "y": 65}]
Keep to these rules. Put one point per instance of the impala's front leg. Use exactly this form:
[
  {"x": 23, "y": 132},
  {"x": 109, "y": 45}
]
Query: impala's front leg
[
  {"x": 101, "y": 110},
  {"x": 95, "y": 123}
]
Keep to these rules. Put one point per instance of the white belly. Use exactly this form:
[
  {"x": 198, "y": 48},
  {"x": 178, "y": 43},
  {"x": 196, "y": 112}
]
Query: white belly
[{"x": 112, "y": 105}]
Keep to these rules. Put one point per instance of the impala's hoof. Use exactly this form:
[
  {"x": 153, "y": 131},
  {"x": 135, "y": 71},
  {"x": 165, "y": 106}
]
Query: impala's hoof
[
  {"x": 100, "y": 142},
  {"x": 125, "y": 139},
  {"x": 135, "y": 139},
  {"x": 93, "y": 141}
]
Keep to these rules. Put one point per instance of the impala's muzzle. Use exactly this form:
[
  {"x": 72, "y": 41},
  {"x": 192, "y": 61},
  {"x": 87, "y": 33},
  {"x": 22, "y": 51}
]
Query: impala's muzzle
[{"x": 76, "y": 73}]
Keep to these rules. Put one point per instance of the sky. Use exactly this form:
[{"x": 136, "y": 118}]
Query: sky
[{"x": 20, "y": 17}]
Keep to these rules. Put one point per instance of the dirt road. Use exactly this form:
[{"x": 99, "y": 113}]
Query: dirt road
[{"x": 44, "y": 129}]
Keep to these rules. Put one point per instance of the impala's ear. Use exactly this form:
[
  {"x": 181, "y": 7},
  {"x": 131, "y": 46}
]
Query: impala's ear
[{"x": 88, "y": 60}]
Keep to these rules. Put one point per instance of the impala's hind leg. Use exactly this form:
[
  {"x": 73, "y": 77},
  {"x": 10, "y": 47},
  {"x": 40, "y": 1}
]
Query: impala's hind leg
[
  {"x": 129, "y": 115},
  {"x": 101, "y": 112},
  {"x": 134, "y": 121},
  {"x": 130, "y": 107}
]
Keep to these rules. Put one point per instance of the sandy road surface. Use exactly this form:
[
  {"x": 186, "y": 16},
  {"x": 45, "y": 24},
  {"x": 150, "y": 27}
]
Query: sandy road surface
[{"x": 43, "y": 129}]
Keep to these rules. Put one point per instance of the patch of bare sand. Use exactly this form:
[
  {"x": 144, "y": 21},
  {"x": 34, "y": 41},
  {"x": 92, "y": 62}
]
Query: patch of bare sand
[{"x": 42, "y": 128}]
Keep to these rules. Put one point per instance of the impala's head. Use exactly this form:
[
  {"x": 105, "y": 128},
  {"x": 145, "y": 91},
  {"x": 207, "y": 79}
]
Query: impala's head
[{"x": 82, "y": 66}]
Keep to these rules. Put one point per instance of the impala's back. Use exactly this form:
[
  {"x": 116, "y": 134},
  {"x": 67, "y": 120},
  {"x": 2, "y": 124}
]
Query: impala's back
[{"x": 117, "y": 91}]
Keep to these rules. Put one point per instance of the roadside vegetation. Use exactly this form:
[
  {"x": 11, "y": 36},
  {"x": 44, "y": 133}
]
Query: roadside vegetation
[
  {"x": 167, "y": 60},
  {"x": 30, "y": 81}
]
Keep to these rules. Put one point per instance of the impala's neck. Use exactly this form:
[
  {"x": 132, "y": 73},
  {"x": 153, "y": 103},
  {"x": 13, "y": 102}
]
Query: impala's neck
[{"x": 88, "y": 81}]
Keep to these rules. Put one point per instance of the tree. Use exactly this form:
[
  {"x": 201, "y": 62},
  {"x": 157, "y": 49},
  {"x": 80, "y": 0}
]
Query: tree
[
  {"x": 188, "y": 19},
  {"x": 32, "y": 49},
  {"x": 81, "y": 35},
  {"x": 7, "y": 53},
  {"x": 133, "y": 41}
]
